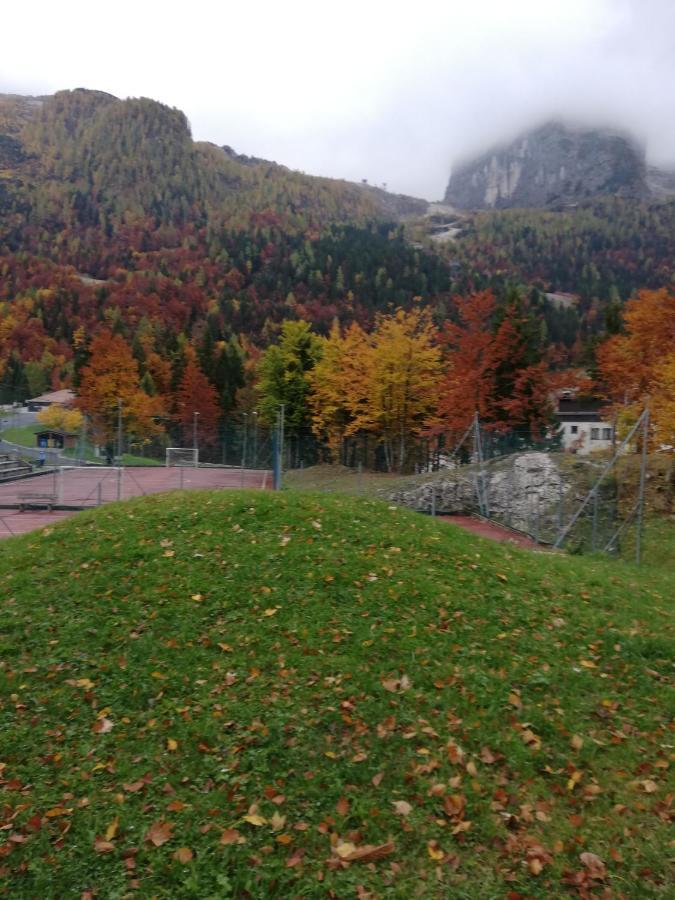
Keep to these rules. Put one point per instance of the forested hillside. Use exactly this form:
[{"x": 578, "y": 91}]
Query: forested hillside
[{"x": 114, "y": 221}]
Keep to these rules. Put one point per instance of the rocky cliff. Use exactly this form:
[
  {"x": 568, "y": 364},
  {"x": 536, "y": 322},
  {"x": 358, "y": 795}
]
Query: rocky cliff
[{"x": 554, "y": 165}]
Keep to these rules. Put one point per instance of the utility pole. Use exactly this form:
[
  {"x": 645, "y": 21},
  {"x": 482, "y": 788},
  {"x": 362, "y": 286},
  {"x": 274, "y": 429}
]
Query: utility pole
[
  {"x": 282, "y": 418},
  {"x": 195, "y": 445},
  {"x": 643, "y": 478},
  {"x": 119, "y": 431}
]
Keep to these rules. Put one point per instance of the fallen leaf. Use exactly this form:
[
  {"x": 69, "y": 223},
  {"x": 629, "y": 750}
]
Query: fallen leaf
[
  {"x": 171, "y": 744},
  {"x": 231, "y": 836},
  {"x": 577, "y": 742},
  {"x": 277, "y": 821},
  {"x": 435, "y": 851},
  {"x": 535, "y": 865},
  {"x": 255, "y": 820},
  {"x": 272, "y": 611},
  {"x": 367, "y": 853},
  {"x": 183, "y": 855},
  {"x": 594, "y": 865},
  {"x": 101, "y": 846},
  {"x": 111, "y": 830},
  {"x": 159, "y": 833},
  {"x": 342, "y": 806},
  {"x": 402, "y": 808},
  {"x": 102, "y": 726},
  {"x": 58, "y": 811}
]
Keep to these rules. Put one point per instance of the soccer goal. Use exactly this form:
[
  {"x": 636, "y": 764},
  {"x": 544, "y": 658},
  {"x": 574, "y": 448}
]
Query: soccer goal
[{"x": 182, "y": 456}]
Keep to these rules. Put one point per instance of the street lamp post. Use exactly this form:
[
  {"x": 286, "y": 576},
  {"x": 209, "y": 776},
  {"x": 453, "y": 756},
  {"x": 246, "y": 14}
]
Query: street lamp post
[{"x": 195, "y": 418}]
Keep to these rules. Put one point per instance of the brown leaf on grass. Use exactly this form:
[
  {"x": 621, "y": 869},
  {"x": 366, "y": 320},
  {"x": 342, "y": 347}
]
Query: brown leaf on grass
[
  {"x": 58, "y": 811},
  {"x": 231, "y": 836},
  {"x": 103, "y": 846},
  {"x": 594, "y": 865},
  {"x": 296, "y": 858},
  {"x": 514, "y": 700},
  {"x": 487, "y": 756},
  {"x": 576, "y": 742},
  {"x": 183, "y": 855},
  {"x": 376, "y": 779},
  {"x": 368, "y": 853},
  {"x": 535, "y": 865},
  {"x": 649, "y": 786},
  {"x": 102, "y": 726},
  {"x": 396, "y": 685},
  {"x": 342, "y": 806},
  {"x": 134, "y": 786},
  {"x": 402, "y": 807},
  {"x": 159, "y": 833}
]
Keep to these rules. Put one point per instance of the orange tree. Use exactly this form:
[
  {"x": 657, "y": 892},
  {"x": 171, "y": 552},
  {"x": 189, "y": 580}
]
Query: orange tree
[
  {"x": 639, "y": 365},
  {"x": 111, "y": 378}
]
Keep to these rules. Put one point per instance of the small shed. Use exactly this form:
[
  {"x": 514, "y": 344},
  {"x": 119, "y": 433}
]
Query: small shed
[{"x": 53, "y": 439}]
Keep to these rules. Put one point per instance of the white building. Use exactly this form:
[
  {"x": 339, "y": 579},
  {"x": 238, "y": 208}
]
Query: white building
[{"x": 583, "y": 428}]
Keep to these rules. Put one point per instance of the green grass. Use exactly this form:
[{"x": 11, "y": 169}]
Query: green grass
[
  {"x": 280, "y": 670},
  {"x": 24, "y": 436}
]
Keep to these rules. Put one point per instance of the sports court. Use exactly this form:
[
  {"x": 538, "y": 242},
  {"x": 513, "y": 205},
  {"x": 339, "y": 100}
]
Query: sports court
[{"x": 23, "y": 504}]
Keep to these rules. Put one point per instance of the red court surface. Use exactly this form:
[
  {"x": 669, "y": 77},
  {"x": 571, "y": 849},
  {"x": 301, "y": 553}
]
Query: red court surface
[
  {"x": 493, "y": 532},
  {"x": 87, "y": 487}
]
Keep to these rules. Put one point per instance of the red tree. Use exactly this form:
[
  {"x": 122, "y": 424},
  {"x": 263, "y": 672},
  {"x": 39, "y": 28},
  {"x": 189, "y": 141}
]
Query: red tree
[{"x": 196, "y": 394}]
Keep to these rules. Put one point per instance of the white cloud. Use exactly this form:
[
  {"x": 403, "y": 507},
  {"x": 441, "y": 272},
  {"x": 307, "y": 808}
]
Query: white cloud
[{"x": 391, "y": 91}]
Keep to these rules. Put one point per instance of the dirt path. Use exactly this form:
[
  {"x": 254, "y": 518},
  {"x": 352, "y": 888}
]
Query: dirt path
[{"x": 493, "y": 532}]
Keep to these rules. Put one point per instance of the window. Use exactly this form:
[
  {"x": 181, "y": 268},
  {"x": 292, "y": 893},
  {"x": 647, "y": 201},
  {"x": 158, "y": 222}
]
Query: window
[
  {"x": 574, "y": 429},
  {"x": 607, "y": 434},
  {"x": 595, "y": 434}
]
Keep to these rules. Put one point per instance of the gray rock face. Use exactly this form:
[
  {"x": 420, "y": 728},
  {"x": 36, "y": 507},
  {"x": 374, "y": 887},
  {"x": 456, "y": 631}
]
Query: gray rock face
[
  {"x": 524, "y": 492},
  {"x": 555, "y": 165}
]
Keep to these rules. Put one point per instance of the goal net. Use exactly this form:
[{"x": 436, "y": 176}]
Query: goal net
[{"x": 182, "y": 456}]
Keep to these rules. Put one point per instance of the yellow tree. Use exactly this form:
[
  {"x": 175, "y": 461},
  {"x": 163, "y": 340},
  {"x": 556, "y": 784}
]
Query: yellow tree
[
  {"x": 403, "y": 383},
  {"x": 339, "y": 385},
  {"x": 60, "y": 418},
  {"x": 110, "y": 387}
]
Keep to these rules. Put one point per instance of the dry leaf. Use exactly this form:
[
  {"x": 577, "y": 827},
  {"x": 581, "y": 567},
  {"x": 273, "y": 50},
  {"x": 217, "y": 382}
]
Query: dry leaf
[
  {"x": 342, "y": 806},
  {"x": 255, "y": 820},
  {"x": 577, "y": 742},
  {"x": 277, "y": 821},
  {"x": 101, "y": 846},
  {"x": 594, "y": 865},
  {"x": 111, "y": 830},
  {"x": 402, "y": 808},
  {"x": 171, "y": 744},
  {"x": 231, "y": 836},
  {"x": 159, "y": 833},
  {"x": 183, "y": 855},
  {"x": 102, "y": 726},
  {"x": 435, "y": 851},
  {"x": 367, "y": 853}
]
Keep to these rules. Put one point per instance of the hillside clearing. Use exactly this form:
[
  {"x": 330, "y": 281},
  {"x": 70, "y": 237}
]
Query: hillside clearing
[{"x": 256, "y": 695}]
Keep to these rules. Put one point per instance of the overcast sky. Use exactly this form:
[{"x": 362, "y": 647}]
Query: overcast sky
[{"x": 379, "y": 89}]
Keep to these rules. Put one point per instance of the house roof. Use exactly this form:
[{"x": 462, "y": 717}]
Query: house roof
[{"x": 65, "y": 395}]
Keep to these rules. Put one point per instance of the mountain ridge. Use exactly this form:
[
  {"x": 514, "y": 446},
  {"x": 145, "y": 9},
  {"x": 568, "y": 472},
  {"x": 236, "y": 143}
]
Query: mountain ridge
[{"x": 555, "y": 165}]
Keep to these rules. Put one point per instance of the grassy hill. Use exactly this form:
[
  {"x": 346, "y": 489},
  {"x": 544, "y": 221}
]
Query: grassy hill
[{"x": 250, "y": 695}]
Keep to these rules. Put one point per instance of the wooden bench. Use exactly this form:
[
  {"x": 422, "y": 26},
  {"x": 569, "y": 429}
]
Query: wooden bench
[{"x": 35, "y": 500}]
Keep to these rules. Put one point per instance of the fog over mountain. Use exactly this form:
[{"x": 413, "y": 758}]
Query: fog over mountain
[{"x": 384, "y": 91}]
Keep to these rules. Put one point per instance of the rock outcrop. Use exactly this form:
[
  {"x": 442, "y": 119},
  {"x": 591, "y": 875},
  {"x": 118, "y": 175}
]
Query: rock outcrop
[{"x": 553, "y": 166}]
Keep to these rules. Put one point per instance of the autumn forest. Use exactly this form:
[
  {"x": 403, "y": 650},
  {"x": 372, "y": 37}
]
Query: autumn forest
[{"x": 182, "y": 278}]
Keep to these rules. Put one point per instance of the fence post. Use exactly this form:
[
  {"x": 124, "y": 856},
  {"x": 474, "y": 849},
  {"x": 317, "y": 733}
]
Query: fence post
[
  {"x": 433, "y": 501},
  {"x": 643, "y": 479},
  {"x": 594, "y": 531},
  {"x": 119, "y": 480},
  {"x": 359, "y": 477}
]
